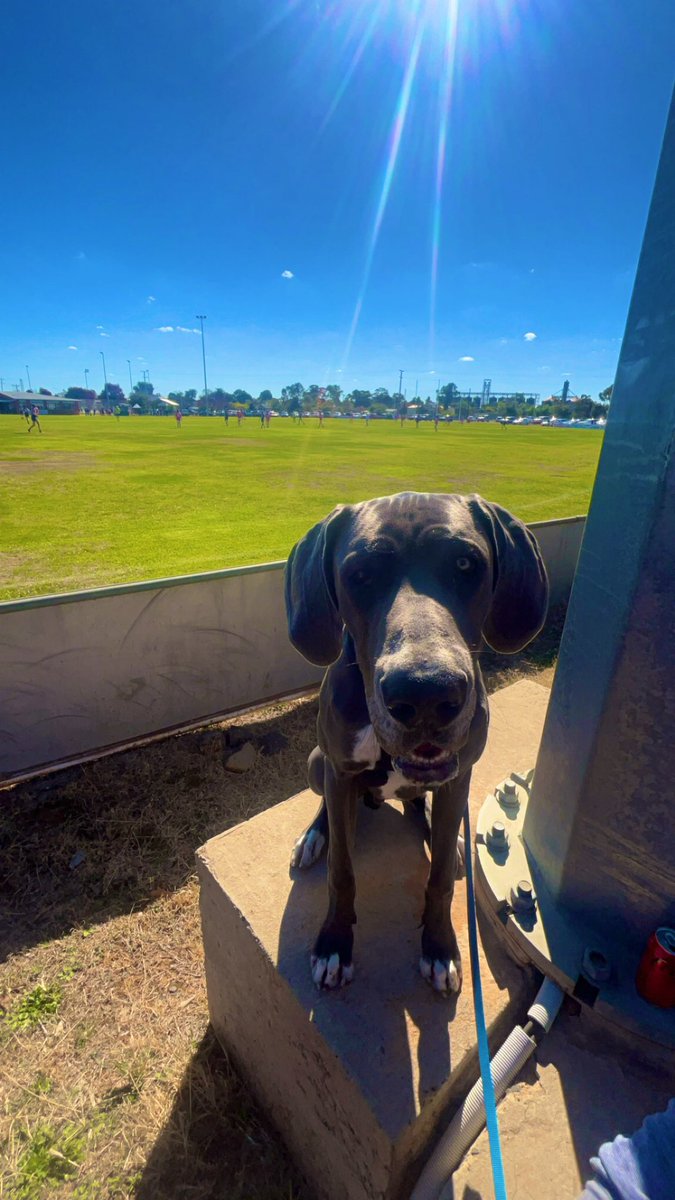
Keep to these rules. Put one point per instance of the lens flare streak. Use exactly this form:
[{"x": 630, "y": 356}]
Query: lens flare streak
[
  {"x": 392, "y": 157},
  {"x": 356, "y": 59},
  {"x": 445, "y": 100}
]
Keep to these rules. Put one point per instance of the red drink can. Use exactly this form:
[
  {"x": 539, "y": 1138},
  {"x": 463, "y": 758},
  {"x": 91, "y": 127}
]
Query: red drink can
[{"x": 655, "y": 979}]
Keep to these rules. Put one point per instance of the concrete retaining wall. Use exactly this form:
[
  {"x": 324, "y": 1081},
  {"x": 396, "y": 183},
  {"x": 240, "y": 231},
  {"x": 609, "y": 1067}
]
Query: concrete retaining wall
[{"x": 88, "y": 670}]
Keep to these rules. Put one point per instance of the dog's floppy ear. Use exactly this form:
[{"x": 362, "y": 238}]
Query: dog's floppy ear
[
  {"x": 520, "y": 583},
  {"x": 314, "y": 623}
]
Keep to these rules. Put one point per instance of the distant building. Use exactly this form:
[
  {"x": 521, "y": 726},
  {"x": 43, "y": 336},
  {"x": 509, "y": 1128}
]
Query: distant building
[{"x": 18, "y": 402}]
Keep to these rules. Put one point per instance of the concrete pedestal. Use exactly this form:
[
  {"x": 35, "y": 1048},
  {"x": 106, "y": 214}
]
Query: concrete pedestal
[{"x": 357, "y": 1082}]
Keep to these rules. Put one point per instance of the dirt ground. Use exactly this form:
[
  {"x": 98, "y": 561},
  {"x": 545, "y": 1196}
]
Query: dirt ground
[{"x": 111, "y": 1082}]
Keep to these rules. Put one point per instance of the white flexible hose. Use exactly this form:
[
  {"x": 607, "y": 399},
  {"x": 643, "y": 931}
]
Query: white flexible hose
[{"x": 470, "y": 1117}]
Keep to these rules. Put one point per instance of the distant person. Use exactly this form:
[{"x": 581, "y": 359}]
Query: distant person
[
  {"x": 436, "y": 419},
  {"x": 118, "y": 412},
  {"x": 26, "y": 414},
  {"x": 226, "y": 415},
  {"x": 179, "y": 418},
  {"x": 417, "y": 420},
  {"x": 262, "y": 419},
  {"x": 320, "y": 419},
  {"x": 34, "y": 419},
  {"x": 268, "y": 417},
  {"x": 240, "y": 416},
  {"x": 367, "y": 419}
]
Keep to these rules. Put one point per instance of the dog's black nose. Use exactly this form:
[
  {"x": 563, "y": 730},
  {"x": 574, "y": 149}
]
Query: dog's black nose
[{"x": 418, "y": 698}]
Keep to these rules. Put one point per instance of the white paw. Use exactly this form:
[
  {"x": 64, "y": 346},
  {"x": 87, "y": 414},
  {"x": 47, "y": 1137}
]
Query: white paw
[
  {"x": 330, "y": 973},
  {"x": 308, "y": 848},
  {"x": 443, "y": 977}
]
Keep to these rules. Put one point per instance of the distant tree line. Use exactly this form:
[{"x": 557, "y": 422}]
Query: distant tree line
[{"x": 296, "y": 399}]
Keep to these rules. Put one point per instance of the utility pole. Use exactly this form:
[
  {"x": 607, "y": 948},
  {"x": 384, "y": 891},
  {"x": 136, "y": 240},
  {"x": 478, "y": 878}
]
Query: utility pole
[
  {"x": 201, "y": 317},
  {"x": 30, "y": 386},
  {"x": 105, "y": 379},
  {"x": 131, "y": 385},
  {"x": 400, "y": 382},
  {"x": 417, "y": 390},
  {"x": 86, "y": 378}
]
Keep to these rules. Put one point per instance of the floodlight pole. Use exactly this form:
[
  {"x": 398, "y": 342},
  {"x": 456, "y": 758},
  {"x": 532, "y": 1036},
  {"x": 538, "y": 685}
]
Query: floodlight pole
[
  {"x": 30, "y": 386},
  {"x": 201, "y": 317},
  {"x": 105, "y": 378}
]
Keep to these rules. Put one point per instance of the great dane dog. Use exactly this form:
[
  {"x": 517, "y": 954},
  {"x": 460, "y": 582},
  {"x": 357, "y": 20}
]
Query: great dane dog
[{"x": 395, "y": 596}]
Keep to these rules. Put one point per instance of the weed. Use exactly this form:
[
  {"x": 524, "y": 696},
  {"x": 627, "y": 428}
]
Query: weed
[
  {"x": 83, "y": 1034},
  {"x": 70, "y": 970},
  {"x": 39, "y": 1004},
  {"x": 116, "y": 1187},
  {"x": 136, "y": 1070},
  {"x": 50, "y": 1157},
  {"x": 42, "y": 1084}
]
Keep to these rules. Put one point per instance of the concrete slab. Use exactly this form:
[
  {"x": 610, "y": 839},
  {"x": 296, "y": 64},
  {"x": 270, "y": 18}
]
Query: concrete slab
[
  {"x": 357, "y": 1082},
  {"x": 585, "y": 1086}
]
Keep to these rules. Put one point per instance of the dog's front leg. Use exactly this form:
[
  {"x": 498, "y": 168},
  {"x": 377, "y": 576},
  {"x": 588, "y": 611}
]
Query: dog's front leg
[
  {"x": 332, "y": 954},
  {"x": 441, "y": 962}
]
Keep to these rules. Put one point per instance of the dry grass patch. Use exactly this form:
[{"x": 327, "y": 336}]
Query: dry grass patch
[{"x": 112, "y": 1084}]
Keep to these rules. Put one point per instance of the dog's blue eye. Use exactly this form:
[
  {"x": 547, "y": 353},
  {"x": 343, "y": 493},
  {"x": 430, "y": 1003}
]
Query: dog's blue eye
[{"x": 464, "y": 563}]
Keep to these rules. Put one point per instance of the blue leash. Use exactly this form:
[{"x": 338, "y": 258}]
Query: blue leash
[{"x": 481, "y": 1030}]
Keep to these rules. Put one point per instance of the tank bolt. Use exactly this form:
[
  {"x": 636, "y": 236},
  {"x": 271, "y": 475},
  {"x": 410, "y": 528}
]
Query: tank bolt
[
  {"x": 523, "y": 899},
  {"x": 507, "y": 795},
  {"x": 497, "y": 838},
  {"x": 595, "y": 965}
]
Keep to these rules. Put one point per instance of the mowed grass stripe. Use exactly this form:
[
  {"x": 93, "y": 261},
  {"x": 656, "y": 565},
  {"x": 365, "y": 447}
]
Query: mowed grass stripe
[{"x": 95, "y": 501}]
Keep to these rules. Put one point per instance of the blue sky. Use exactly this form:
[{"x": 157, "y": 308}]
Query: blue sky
[{"x": 162, "y": 159}]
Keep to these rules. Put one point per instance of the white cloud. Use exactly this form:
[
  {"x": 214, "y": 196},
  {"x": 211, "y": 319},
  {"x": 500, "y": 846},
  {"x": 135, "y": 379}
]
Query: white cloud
[
  {"x": 175, "y": 329},
  {"x": 530, "y": 337},
  {"x": 287, "y": 275},
  {"x": 150, "y": 299},
  {"x": 466, "y": 358},
  {"x": 104, "y": 334},
  {"x": 503, "y": 341},
  {"x": 80, "y": 256},
  {"x": 99, "y": 327},
  {"x": 72, "y": 347}
]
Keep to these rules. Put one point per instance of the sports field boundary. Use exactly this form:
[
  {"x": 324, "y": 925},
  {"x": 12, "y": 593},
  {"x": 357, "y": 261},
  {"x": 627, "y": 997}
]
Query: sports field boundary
[{"x": 84, "y": 673}]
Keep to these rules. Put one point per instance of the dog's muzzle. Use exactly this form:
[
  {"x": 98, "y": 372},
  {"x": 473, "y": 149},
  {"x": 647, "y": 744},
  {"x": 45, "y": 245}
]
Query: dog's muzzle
[{"x": 431, "y": 771}]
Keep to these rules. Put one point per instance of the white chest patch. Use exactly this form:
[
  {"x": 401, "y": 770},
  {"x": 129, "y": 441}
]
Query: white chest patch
[
  {"x": 389, "y": 790},
  {"x": 366, "y": 748}
]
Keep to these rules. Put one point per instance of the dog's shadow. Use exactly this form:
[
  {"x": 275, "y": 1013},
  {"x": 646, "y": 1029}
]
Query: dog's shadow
[{"x": 390, "y": 1031}]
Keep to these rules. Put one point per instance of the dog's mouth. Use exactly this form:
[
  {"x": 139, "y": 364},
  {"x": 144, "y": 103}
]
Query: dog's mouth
[{"x": 428, "y": 764}]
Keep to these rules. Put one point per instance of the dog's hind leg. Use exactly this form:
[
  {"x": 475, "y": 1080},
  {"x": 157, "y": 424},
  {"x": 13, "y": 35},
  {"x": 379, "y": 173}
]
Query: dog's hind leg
[{"x": 312, "y": 843}]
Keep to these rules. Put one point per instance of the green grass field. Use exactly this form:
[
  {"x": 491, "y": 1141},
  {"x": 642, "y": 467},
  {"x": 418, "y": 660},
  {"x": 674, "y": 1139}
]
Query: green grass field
[{"x": 95, "y": 501}]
